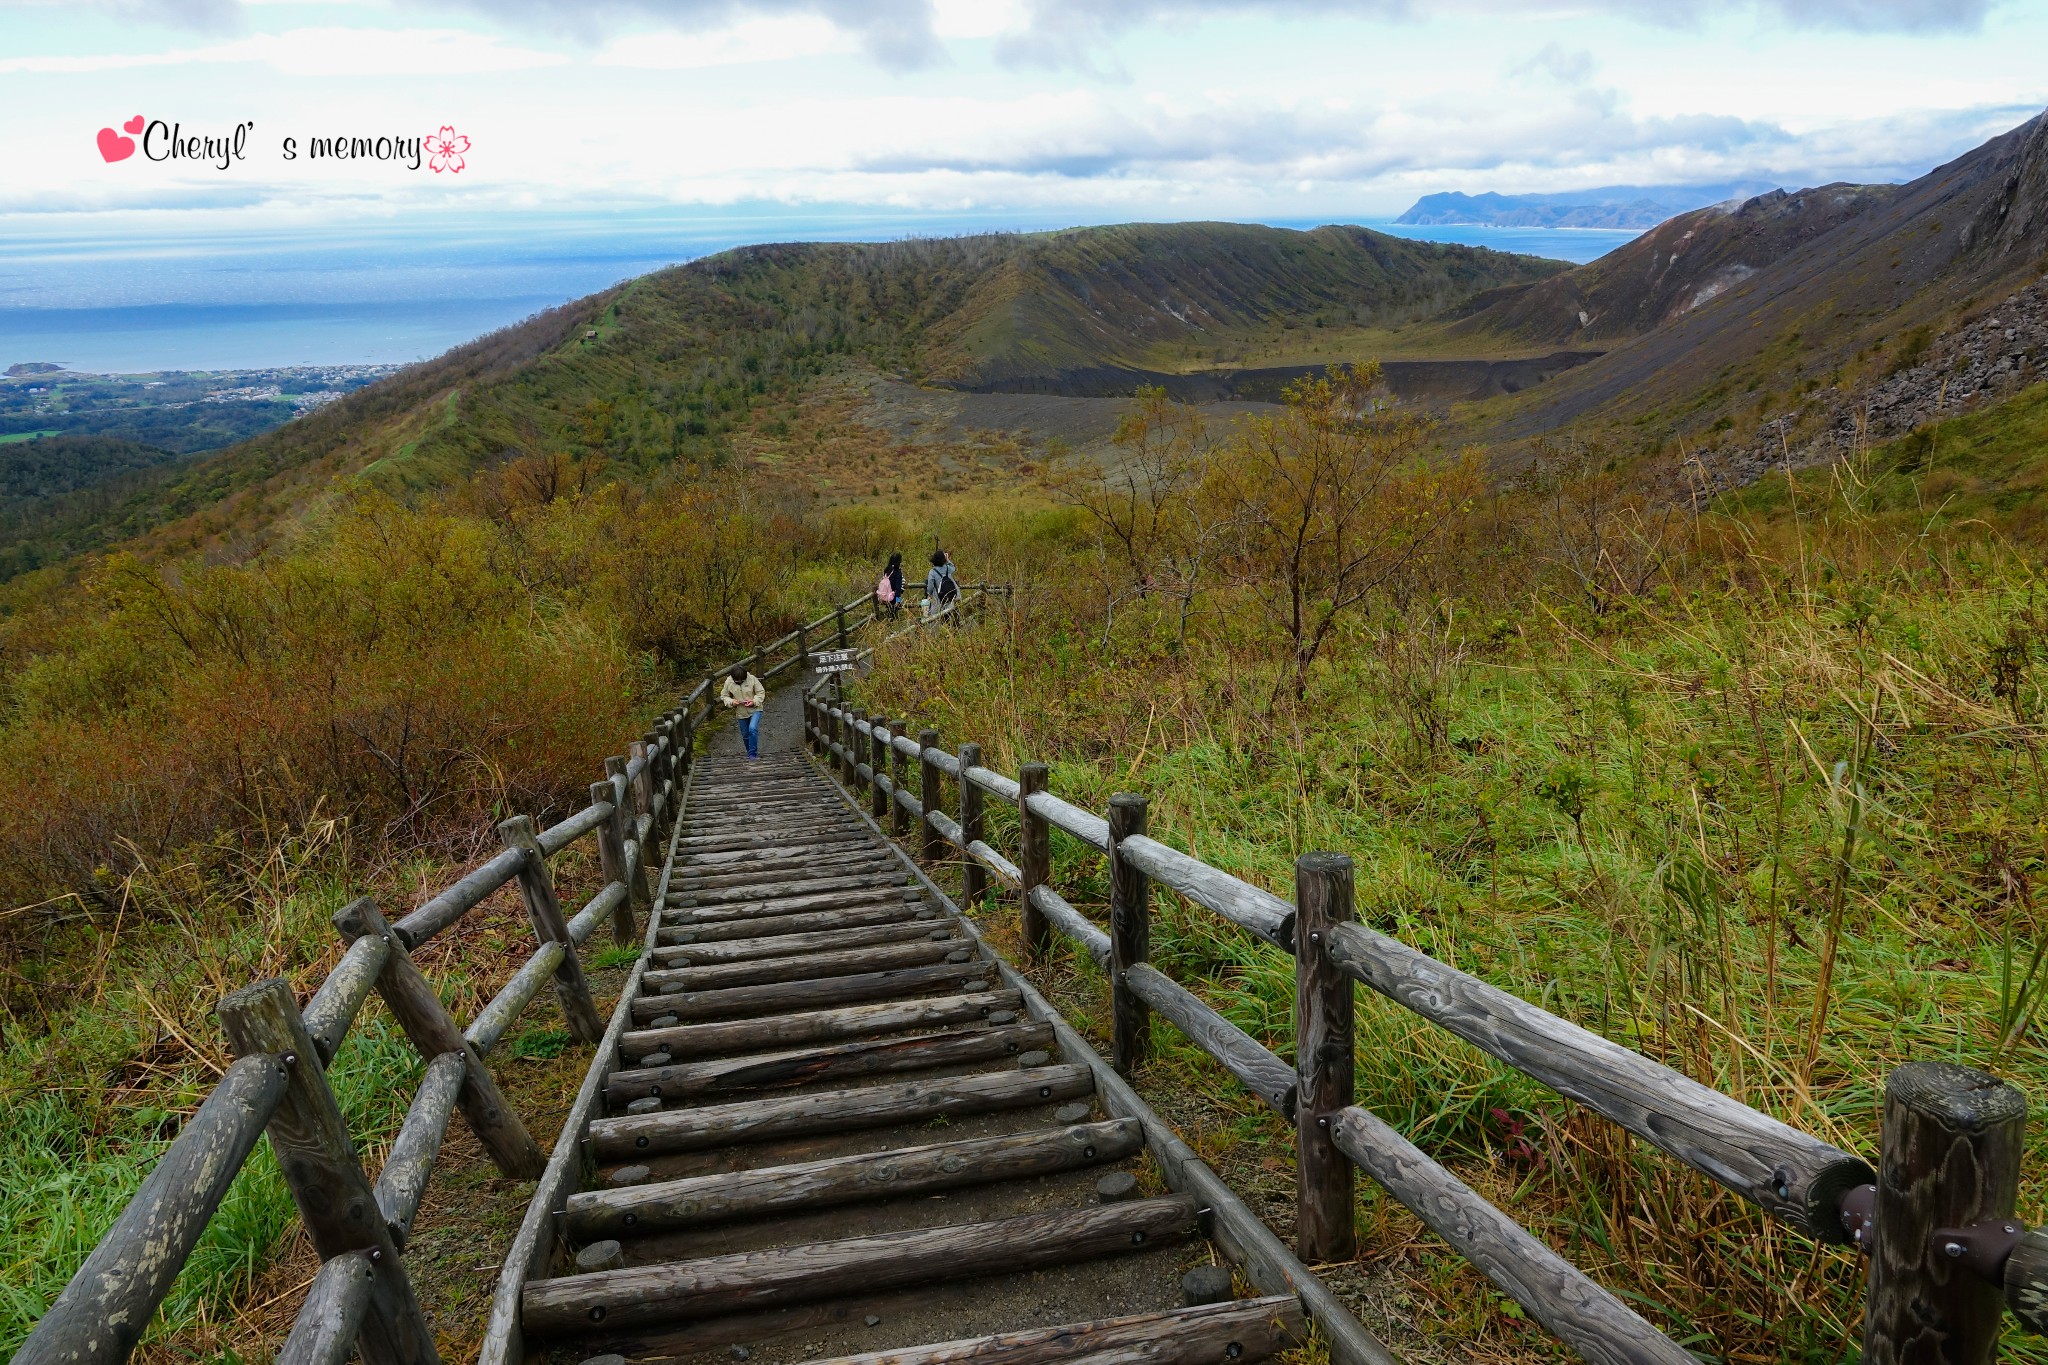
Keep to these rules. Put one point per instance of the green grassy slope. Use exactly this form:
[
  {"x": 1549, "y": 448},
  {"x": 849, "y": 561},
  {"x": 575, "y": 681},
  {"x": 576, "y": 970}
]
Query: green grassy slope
[{"x": 1174, "y": 295}]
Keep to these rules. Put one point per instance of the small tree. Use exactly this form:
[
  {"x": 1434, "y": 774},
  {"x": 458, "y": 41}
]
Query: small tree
[
  {"x": 1328, "y": 501},
  {"x": 1605, "y": 531},
  {"x": 1153, "y": 530}
]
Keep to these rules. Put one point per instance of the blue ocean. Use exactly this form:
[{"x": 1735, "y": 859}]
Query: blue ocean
[{"x": 389, "y": 295}]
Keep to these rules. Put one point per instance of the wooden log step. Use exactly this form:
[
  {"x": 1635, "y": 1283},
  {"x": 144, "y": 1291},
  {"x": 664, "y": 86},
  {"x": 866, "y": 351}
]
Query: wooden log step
[
  {"x": 804, "y": 1066},
  {"x": 773, "y": 926},
  {"x": 832, "y": 831},
  {"x": 736, "y": 858},
  {"x": 786, "y": 945},
  {"x": 686, "y": 880},
  {"x": 782, "y": 842},
  {"x": 634, "y": 1136},
  {"x": 779, "y": 997},
  {"x": 1231, "y": 1333},
  {"x": 782, "y": 1030},
  {"x": 764, "y": 890},
  {"x": 799, "y": 1188},
  {"x": 714, "y": 1285},
  {"x": 800, "y": 968},
  {"x": 791, "y": 905},
  {"x": 756, "y": 810}
]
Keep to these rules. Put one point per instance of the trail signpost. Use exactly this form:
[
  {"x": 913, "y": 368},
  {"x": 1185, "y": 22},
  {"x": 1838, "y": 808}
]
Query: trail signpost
[{"x": 834, "y": 661}]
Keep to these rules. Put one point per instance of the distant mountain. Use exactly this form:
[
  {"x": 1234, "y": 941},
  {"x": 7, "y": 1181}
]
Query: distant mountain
[
  {"x": 1613, "y": 206},
  {"x": 1717, "y": 310},
  {"x": 1667, "y": 272}
]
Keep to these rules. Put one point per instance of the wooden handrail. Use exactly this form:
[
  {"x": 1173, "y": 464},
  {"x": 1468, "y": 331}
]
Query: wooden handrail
[
  {"x": 102, "y": 1313},
  {"x": 1791, "y": 1175},
  {"x": 104, "y": 1309},
  {"x": 1795, "y": 1177},
  {"x": 1596, "y": 1324}
]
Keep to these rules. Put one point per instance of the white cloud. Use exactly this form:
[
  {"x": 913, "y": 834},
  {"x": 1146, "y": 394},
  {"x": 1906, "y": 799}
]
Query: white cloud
[
  {"x": 751, "y": 40},
  {"x": 320, "y": 52}
]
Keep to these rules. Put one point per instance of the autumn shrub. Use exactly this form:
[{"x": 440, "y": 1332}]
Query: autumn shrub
[{"x": 418, "y": 671}]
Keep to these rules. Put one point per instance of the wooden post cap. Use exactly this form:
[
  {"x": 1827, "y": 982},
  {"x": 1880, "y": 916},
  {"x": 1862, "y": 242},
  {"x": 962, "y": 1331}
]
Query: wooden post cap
[
  {"x": 1207, "y": 1284},
  {"x": 605, "y": 1255}
]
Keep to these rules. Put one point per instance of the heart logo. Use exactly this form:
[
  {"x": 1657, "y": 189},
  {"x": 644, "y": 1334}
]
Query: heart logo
[
  {"x": 133, "y": 125},
  {"x": 114, "y": 147}
]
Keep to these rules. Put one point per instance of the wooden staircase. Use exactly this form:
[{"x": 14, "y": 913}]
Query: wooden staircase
[{"x": 832, "y": 1131}]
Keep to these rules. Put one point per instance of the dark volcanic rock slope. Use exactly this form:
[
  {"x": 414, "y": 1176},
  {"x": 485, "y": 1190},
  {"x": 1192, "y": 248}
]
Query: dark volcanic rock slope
[
  {"x": 1666, "y": 273},
  {"x": 1922, "y": 254}
]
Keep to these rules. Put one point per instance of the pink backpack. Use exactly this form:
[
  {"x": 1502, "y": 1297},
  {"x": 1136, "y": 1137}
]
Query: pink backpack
[{"x": 885, "y": 591}]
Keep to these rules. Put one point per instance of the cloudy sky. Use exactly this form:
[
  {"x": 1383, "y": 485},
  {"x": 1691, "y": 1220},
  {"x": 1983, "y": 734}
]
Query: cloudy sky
[{"x": 1032, "y": 111}]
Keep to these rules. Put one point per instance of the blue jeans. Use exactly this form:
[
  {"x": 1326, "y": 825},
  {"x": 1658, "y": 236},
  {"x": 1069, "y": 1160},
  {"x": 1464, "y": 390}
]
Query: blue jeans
[{"x": 750, "y": 730}]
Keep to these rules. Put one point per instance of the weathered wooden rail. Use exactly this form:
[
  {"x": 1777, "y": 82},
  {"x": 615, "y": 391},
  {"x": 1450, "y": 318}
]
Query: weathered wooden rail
[
  {"x": 361, "y": 1299},
  {"x": 1946, "y": 1255},
  {"x": 278, "y": 1084}
]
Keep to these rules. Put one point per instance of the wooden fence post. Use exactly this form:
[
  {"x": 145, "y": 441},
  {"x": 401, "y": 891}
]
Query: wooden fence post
[
  {"x": 899, "y": 818},
  {"x": 545, "y": 913},
  {"x": 931, "y": 847},
  {"x": 643, "y": 795},
  {"x": 803, "y": 651},
  {"x": 1949, "y": 1157},
  {"x": 863, "y": 745},
  {"x": 318, "y": 1160},
  {"x": 1130, "y": 937},
  {"x": 878, "y": 759},
  {"x": 1034, "y": 858},
  {"x": 611, "y": 856},
  {"x": 973, "y": 876},
  {"x": 417, "y": 1007},
  {"x": 855, "y": 742},
  {"x": 1323, "y": 1061},
  {"x": 840, "y": 613}
]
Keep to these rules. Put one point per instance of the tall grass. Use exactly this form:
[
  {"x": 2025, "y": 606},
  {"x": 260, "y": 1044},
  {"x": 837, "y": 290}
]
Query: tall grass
[{"x": 1773, "y": 819}]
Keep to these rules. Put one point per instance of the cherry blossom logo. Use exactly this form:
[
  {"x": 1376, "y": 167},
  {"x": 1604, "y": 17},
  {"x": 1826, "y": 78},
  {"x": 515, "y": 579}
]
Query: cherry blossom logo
[{"x": 445, "y": 150}]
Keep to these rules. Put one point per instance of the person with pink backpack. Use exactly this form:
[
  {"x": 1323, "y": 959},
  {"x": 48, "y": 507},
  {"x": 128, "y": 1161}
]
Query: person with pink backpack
[{"x": 889, "y": 588}]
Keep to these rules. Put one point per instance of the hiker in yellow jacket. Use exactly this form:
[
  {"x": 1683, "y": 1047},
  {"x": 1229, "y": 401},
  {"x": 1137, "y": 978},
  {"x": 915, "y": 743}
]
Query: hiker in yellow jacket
[{"x": 743, "y": 693}]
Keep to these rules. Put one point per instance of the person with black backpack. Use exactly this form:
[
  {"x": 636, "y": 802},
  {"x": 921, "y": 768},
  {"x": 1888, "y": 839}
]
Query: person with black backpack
[{"x": 941, "y": 589}]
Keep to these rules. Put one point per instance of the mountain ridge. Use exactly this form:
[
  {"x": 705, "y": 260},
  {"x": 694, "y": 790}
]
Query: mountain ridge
[{"x": 1608, "y": 206}]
